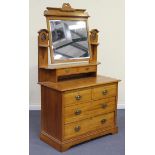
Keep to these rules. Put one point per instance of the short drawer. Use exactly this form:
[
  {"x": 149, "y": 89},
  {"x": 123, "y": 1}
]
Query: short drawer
[
  {"x": 67, "y": 71},
  {"x": 78, "y": 128},
  {"x": 88, "y": 109},
  {"x": 76, "y": 70},
  {"x": 104, "y": 91},
  {"x": 77, "y": 96},
  {"x": 87, "y": 69}
]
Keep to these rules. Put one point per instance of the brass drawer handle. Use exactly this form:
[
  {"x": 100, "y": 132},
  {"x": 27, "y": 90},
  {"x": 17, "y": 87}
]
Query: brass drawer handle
[
  {"x": 77, "y": 128},
  {"x": 78, "y": 112},
  {"x": 103, "y": 121},
  {"x": 104, "y": 105},
  {"x": 67, "y": 70},
  {"x": 105, "y": 92},
  {"x": 87, "y": 68},
  {"x": 78, "y": 97}
]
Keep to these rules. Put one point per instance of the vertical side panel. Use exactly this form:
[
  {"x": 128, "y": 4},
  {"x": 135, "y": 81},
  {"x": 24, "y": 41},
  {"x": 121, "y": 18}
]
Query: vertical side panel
[
  {"x": 116, "y": 99},
  {"x": 51, "y": 112},
  {"x": 42, "y": 56},
  {"x": 46, "y": 75}
]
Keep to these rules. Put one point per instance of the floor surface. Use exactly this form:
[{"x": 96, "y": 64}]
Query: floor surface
[{"x": 106, "y": 145}]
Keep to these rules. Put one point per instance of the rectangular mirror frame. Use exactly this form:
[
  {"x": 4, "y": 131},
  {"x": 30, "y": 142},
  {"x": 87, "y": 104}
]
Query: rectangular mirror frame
[{"x": 68, "y": 14}]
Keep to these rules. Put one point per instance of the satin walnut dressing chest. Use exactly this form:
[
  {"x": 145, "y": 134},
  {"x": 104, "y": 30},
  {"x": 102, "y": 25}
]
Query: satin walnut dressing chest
[{"x": 76, "y": 104}]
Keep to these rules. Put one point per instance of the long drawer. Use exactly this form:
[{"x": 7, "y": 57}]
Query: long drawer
[
  {"x": 88, "y": 109},
  {"x": 78, "y": 128},
  {"x": 104, "y": 91}
]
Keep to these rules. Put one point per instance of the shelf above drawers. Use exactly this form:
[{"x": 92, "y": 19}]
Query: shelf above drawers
[{"x": 80, "y": 83}]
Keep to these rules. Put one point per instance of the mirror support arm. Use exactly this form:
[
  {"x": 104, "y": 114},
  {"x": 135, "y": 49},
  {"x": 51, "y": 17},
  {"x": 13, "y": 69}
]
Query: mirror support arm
[
  {"x": 94, "y": 43},
  {"x": 43, "y": 44}
]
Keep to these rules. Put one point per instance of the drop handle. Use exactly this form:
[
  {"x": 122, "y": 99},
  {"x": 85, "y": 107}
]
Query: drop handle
[
  {"x": 78, "y": 97},
  {"x": 103, "y": 121},
  {"x": 105, "y": 92},
  {"x": 78, "y": 112},
  {"x": 77, "y": 128},
  {"x": 67, "y": 70},
  {"x": 104, "y": 105}
]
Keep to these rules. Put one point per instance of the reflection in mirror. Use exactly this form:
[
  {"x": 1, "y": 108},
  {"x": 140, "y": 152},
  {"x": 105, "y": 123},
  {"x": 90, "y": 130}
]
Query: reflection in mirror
[{"x": 69, "y": 39}]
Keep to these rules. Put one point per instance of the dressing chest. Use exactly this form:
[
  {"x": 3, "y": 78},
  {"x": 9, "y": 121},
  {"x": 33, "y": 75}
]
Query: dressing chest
[{"x": 76, "y": 104}]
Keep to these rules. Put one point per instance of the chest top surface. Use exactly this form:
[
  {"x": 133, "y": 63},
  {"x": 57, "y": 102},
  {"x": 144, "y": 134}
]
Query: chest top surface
[{"x": 79, "y": 83}]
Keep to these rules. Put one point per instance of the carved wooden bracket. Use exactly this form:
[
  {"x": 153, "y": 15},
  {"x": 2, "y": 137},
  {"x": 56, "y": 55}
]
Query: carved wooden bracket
[
  {"x": 94, "y": 36},
  {"x": 43, "y": 37},
  {"x": 67, "y": 7}
]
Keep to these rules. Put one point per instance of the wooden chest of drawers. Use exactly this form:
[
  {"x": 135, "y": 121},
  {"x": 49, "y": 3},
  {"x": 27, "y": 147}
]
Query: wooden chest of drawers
[{"x": 78, "y": 110}]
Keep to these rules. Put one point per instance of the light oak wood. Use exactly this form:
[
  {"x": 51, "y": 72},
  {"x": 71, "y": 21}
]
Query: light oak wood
[
  {"x": 87, "y": 69},
  {"x": 76, "y": 96},
  {"x": 69, "y": 65},
  {"x": 53, "y": 73},
  {"x": 71, "y": 130},
  {"x": 94, "y": 44},
  {"x": 104, "y": 91},
  {"x": 44, "y": 42},
  {"x": 66, "y": 13},
  {"x": 51, "y": 113},
  {"x": 59, "y": 106},
  {"x": 80, "y": 83},
  {"x": 89, "y": 109},
  {"x": 75, "y": 70},
  {"x": 76, "y": 103},
  {"x": 66, "y": 144}
]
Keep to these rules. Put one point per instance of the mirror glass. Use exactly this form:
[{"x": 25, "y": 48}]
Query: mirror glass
[{"x": 69, "y": 39}]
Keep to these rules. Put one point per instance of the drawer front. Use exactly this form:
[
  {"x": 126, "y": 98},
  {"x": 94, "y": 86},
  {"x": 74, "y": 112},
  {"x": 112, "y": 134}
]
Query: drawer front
[
  {"x": 88, "y": 109},
  {"x": 77, "y": 96},
  {"x": 77, "y": 112},
  {"x": 103, "y": 106},
  {"x": 104, "y": 91},
  {"x": 87, "y": 69},
  {"x": 76, "y": 70},
  {"x": 78, "y": 128},
  {"x": 67, "y": 71}
]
